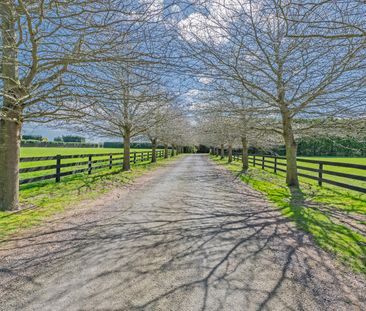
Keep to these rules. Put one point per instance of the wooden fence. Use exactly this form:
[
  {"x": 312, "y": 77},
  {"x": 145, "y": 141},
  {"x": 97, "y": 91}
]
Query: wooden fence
[
  {"x": 274, "y": 163},
  {"x": 104, "y": 161}
]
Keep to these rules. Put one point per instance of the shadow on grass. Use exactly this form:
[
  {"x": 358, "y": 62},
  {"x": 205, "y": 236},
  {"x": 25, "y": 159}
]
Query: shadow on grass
[
  {"x": 331, "y": 228},
  {"x": 328, "y": 229}
]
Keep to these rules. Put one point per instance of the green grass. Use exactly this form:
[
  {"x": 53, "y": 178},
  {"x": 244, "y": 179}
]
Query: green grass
[
  {"x": 313, "y": 209},
  {"x": 340, "y": 198},
  {"x": 53, "y": 151},
  {"x": 41, "y": 200},
  {"x": 354, "y": 171}
]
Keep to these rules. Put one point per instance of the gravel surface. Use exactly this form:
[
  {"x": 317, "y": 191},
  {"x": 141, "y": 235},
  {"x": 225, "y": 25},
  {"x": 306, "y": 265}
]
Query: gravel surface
[{"x": 188, "y": 236}]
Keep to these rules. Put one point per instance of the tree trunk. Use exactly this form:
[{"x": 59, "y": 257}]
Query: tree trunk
[
  {"x": 153, "y": 145},
  {"x": 166, "y": 151},
  {"x": 292, "y": 178},
  {"x": 222, "y": 150},
  {"x": 245, "y": 158},
  {"x": 126, "y": 151},
  {"x": 9, "y": 164},
  {"x": 172, "y": 153},
  {"x": 10, "y": 120},
  {"x": 230, "y": 154}
]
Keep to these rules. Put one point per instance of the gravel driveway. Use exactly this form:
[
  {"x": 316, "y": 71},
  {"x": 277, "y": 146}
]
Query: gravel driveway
[{"x": 188, "y": 237}]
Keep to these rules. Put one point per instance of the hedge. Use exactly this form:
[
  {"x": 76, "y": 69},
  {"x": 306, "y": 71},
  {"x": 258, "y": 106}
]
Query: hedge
[{"x": 36, "y": 143}]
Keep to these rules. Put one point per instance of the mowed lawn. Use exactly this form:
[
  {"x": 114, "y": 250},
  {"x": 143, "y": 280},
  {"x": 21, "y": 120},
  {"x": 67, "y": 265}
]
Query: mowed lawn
[
  {"x": 53, "y": 151},
  {"x": 347, "y": 170}
]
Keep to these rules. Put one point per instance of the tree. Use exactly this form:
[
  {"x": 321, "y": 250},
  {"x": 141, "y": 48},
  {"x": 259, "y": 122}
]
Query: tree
[
  {"x": 181, "y": 133},
  {"x": 291, "y": 78},
  {"x": 126, "y": 102},
  {"x": 227, "y": 98},
  {"x": 157, "y": 132}
]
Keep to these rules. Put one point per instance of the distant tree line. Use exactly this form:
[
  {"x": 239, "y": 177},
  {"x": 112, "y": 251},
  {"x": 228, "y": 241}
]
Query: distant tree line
[
  {"x": 32, "y": 137},
  {"x": 78, "y": 142},
  {"x": 37, "y": 143},
  {"x": 137, "y": 145},
  {"x": 328, "y": 146},
  {"x": 64, "y": 141},
  {"x": 70, "y": 139}
]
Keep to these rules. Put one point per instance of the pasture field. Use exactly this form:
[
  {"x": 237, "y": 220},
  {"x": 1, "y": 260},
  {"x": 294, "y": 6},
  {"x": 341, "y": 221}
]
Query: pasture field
[
  {"x": 53, "y": 151},
  {"x": 347, "y": 170}
]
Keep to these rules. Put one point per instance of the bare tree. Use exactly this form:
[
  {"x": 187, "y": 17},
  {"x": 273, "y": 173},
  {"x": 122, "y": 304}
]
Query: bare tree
[
  {"x": 292, "y": 78},
  {"x": 41, "y": 43},
  {"x": 127, "y": 101},
  {"x": 163, "y": 129},
  {"x": 44, "y": 46},
  {"x": 327, "y": 19}
]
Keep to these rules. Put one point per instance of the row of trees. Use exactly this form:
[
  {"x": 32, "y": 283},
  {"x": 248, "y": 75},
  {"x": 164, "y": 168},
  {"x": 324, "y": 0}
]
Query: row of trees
[
  {"x": 98, "y": 66},
  {"x": 265, "y": 73},
  {"x": 276, "y": 71}
]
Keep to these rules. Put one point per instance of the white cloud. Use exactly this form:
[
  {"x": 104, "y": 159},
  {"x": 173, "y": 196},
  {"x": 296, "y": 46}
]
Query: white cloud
[
  {"x": 211, "y": 27},
  {"x": 155, "y": 8},
  {"x": 175, "y": 8},
  {"x": 198, "y": 27},
  {"x": 154, "y": 5},
  {"x": 205, "y": 80}
]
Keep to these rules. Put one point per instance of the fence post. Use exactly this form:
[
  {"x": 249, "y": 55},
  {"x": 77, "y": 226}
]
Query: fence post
[
  {"x": 58, "y": 168},
  {"x": 110, "y": 161},
  {"x": 134, "y": 157},
  {"x": 320, "y": 181},
  {"x": 90, "y": 165},
  {"x": 262, "y": 162},
  {"x": 253, "y": 160},
  {"x": 275, "y": 165}
]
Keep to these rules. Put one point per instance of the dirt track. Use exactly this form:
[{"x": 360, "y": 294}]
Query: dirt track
[{"x": 189, "y": 237}]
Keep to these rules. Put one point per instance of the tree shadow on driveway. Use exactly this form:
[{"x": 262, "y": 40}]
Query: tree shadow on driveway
[{"x": 193, "y": 241}]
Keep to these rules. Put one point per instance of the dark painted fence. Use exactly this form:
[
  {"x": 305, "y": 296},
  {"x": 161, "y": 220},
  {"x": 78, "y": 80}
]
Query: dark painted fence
[
  {"x": 323, "y": 168},
  {"x": 103, "y": 161}
]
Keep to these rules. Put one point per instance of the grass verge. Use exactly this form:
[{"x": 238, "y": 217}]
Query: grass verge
[
  {"x": 321, "y": 212},
  {"x": 44, "y": 199}
]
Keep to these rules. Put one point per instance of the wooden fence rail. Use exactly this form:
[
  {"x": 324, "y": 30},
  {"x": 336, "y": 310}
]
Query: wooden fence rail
[
  {"x": 108, "y": 160},
  {"x": 272, "y": 162}
]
